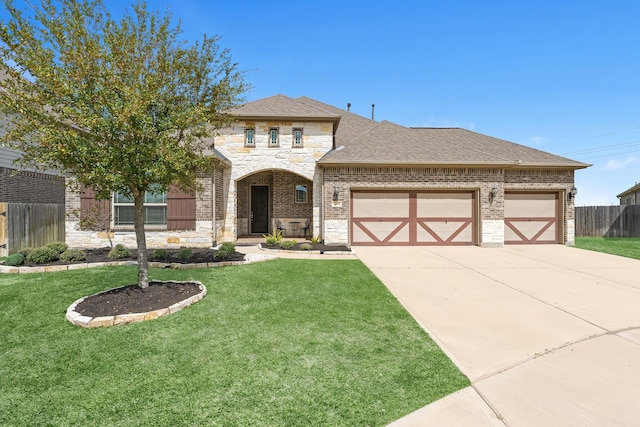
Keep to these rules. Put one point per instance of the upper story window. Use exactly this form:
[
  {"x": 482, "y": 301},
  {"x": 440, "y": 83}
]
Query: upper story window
[
  {"x": 249, "y": 137},
  {"x": 297, "y": 137},
  {"x": 274, "y": 137},
  {"x": 155, "y": 208}
]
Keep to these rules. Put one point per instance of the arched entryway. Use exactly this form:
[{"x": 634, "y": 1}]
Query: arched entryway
[{"x": 267, "y": 196}]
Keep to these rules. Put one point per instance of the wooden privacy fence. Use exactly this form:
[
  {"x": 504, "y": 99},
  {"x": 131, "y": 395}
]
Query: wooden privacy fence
[
  {"x": 29, "y": 225},
  {"x": 608, "y": 221}
]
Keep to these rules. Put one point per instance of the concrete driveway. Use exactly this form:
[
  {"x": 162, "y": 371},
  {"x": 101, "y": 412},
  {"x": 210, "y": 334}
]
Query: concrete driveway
[{"x": 548, "y": 335}]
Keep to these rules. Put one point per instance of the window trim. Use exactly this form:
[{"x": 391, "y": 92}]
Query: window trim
[
  {"x": 246, "y": 136},
  {"x": 115, "y": 205},
  {"x": 293, "y": 138},
  {"x": 269, "y": 139},
  {"x": 306, "y": 193}
]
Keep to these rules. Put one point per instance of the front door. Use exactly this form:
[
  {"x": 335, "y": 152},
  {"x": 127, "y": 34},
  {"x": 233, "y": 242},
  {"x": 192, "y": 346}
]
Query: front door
[{"x": 259, "y": 215}]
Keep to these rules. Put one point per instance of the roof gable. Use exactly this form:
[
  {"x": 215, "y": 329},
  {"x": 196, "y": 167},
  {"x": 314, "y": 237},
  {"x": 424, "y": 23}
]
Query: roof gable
[{"x": 281, "y": 106}]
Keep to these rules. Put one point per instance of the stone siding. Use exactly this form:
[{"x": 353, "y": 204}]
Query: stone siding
[{"x": 284, "y": 165}]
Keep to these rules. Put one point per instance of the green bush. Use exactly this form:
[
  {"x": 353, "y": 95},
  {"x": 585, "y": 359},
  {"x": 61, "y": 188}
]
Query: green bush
[
  {"x": 306, "y": 246},
  {"x": 273, "y": 239},
  {"x": 224, "y": 251},
  {"x": 119, "y": 252},
  {"x": 58, "y": 246},
  {"x": 25, "y": 252},
  {"x": 43, "y": 255},
  {"x": 160, "y": 254},
  {"x": 15, "y": 259},
  {"x": 287, "y": 244},
  {"x": 315, "y": 239},
  {"x": 184, "y": 253},
  {"x": 71, "y": 255}
]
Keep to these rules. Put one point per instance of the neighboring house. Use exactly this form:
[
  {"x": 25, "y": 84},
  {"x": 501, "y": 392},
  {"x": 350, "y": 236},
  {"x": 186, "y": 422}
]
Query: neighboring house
[
  {"x": 356, "y": 181},
  {"x": 630, "y": 196},
  {"x": 27, "y": 186}
]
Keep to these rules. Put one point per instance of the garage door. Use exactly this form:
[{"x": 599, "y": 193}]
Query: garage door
[
  {"x": 531, "y": 218},
  {"x": 412, "y": 218}
]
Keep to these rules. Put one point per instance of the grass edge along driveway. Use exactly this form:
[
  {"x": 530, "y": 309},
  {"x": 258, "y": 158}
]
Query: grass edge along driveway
[
  {"x": 623, "y": 246},
  {"x": 279, "y": 343}
]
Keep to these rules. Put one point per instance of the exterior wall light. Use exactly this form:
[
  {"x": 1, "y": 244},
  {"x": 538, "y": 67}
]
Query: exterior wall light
[
  {"x": 572, "y": 193},
  {"x": 336, "y": 192},
  {"x": 493, "y": 193}
]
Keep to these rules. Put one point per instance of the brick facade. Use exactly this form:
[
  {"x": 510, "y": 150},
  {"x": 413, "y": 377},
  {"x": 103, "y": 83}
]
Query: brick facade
[
  {"x": 479, "y": 180},
  {"x": 30, "y": 187}
]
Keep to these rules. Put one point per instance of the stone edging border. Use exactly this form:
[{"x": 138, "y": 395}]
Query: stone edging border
[
  {"x": 121, "y": 319},
  {"x": 311, "y": 252},
  {"x": 249, "y": 259}
]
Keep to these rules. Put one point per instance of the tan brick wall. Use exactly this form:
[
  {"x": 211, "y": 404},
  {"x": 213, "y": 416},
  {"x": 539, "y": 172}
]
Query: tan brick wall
[
  {"x": 281, "y": 194},
  {"x": 480, "y": 180}
]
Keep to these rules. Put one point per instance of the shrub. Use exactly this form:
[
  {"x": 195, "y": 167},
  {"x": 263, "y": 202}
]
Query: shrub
[
  {"x": 287, "y": 244},
  {"x": 273, "y": 239},
  {"x": 58, "y": 246},
  {"x": 160, "y": 254},
  {"x": 119, "y": 252},
  {"x": 71, "y": 255},
  {"x": 25, "y": 252},
  {"x": 315, "y": 239},
  {"x": 306, "y": 246},
  {"x": 43, "y": 255},
  {"x": 184, "y": 253},
  {"x": 15, "y": 259},
  {"x": 224, "y": 251}
]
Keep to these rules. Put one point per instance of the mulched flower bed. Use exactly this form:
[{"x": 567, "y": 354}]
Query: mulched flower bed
[
  {"x": 198, "y": 255},
  {"x": 314, "y": 247},
  {"x": 132, "y": 299}
]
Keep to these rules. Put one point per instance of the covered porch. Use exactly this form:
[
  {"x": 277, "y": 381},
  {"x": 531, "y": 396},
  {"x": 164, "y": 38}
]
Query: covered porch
[{"x": 272, "y": 199}]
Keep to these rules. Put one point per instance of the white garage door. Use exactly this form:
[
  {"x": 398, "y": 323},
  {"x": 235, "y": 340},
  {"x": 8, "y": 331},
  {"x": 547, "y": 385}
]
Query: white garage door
[
  {"x": 412, "y": 218},
  {"x": 531, "y": 218}
]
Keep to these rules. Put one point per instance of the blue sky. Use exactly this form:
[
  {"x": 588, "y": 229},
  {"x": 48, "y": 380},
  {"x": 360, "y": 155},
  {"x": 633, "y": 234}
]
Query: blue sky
[{"x": 560, "y": 76}]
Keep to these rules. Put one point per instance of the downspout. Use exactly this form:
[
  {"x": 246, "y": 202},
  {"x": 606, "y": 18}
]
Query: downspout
[{"x": 213, "y": 204}]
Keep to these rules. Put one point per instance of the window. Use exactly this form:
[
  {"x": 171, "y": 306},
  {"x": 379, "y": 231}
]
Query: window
[
  {"x": 297, "y": 137},
  {"x": 249, "y": 137},
  {"x": 274, "y": 137},
  {"x": 155, "y": 208},
  {"x": 301, "y": 194}
]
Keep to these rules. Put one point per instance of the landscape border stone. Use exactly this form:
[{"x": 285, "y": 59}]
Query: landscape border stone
[
  {"x": 122, "y": 319},
  {"x": 248, "y": 259}
]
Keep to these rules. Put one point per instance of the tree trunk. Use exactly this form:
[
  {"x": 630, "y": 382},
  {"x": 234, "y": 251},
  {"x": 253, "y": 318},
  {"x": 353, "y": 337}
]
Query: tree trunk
[{"x": 138, "y": 224}]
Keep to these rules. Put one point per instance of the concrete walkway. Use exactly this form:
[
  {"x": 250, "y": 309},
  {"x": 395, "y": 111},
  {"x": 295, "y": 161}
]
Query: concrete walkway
[{"x": 548, "y": 335}]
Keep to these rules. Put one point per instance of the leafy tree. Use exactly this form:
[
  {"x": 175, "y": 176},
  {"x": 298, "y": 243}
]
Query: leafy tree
[{"x": 119, "y": 104}]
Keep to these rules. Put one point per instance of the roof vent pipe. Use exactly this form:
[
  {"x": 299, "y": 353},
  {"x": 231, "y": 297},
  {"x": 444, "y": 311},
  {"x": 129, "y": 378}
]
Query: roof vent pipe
[
  {"x": 373, "y": 106},
  {"x": 348, "y": 106}
]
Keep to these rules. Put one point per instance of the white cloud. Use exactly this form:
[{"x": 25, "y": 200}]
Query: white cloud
[{"x": 619, "y": 164}]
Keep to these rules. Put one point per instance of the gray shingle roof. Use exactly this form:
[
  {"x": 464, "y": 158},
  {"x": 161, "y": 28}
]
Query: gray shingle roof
[
  {"x": 630, "y": 190},
  {"x": 281, "y": 106},
  {"x": 363, "y": 141}
]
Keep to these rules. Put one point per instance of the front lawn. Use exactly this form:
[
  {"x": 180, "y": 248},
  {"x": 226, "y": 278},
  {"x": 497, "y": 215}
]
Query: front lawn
[
  {"x": 624, "y": 246},
  {"x": 280, "y": 343}
]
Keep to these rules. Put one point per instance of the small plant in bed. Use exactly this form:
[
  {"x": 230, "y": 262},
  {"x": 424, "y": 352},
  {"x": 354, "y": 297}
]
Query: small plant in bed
[
  {"x": 224, "y": 251},
  {"x": 43, "y": 255},
  {"x": 14, "y": 260},
  {"x": 119, "y": 252},
  {"x": 72, "y": 255},
  {"x": 185, "y": 254}
]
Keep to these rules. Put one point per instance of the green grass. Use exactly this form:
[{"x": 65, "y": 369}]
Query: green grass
[
  {"x": 280, "y": 343},
  {"x": 624, "y": 246}
]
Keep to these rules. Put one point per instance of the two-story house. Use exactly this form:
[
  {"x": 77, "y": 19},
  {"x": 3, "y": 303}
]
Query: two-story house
[{"x": 311, "y": 168}]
